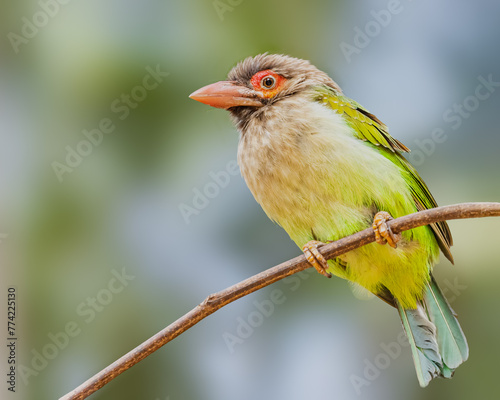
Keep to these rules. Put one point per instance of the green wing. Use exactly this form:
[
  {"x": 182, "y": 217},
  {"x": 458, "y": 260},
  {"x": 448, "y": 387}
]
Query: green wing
[
  {"x": 424, "y": 201},
  {"x": 368, "y": 127}
]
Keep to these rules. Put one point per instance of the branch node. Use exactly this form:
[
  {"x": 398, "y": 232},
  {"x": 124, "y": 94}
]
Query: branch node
[{"x": 210, "y": 300}]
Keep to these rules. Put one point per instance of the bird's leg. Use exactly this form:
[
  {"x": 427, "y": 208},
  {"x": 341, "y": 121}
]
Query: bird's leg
[
  {"x": 383, "y": 233},
  {"x": 315, "y": 258}
]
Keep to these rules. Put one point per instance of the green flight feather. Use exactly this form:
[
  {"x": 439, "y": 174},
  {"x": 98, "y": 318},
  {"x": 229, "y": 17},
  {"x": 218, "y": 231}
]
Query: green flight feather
[
  {"x": 437, "y": 342},
  {"x": 367, "y": 125},
  {"x": 424, "y": 201},
  {"x": 451, "y": 339},
  {"x": 369, "y": 128},
  {"x": 424, "y": 348}
]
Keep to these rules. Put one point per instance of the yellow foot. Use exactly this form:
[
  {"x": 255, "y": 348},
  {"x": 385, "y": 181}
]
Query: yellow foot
[
  {"x": 383, "y": 233},
  {"x": 315, "y": 258}
]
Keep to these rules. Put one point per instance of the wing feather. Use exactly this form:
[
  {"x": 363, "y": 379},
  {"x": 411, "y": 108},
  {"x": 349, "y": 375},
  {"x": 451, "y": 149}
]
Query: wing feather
[{"x": 367, "y": 126}]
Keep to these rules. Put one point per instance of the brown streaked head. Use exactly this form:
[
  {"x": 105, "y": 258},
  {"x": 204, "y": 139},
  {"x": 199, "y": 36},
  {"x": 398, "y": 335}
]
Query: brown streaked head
[{"x": 261, "y": 81}]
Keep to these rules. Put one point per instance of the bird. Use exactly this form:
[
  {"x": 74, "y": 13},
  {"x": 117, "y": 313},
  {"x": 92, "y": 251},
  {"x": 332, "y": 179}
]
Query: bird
[{"x": 323, "y": 167}]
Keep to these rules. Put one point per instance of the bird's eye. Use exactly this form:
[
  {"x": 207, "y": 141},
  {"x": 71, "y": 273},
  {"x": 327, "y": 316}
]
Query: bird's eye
[{"x": 268, "y": 82}]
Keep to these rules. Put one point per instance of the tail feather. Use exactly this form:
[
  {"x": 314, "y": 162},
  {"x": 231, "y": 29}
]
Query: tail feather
[
  {"x": 436, "y": 339},
  {"x": 451, "y": 339},
  {"x": 424, "y": 347}
]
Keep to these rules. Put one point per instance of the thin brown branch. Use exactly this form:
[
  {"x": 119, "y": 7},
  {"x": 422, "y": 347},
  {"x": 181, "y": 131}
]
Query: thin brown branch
[{"x": 218, "y": 300}]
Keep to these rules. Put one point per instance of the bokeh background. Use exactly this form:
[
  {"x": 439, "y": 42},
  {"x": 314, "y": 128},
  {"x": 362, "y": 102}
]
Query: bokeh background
[{"x": 119, "y": 208}]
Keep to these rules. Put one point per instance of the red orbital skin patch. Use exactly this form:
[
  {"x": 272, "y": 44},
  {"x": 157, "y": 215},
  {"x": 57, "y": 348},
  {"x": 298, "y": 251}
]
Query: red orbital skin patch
[{"x": 256, "y": 82}]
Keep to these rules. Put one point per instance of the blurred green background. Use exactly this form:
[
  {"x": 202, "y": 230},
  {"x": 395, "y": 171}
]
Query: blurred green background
[{"x": 118, "y": 211}]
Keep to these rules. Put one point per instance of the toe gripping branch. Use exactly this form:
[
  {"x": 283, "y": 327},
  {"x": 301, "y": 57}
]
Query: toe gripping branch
[
  {"x": 315, "y": 258},
  {"x": 383, "y": 233}
]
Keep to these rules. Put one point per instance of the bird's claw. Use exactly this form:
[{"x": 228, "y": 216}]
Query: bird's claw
[
  {"x": 383, "y": 233},
  {"x": 315, "y": 258}
]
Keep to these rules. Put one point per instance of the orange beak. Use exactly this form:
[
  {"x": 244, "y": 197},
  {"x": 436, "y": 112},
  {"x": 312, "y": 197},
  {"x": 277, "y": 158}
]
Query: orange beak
[{"x": 227, "y": 94}]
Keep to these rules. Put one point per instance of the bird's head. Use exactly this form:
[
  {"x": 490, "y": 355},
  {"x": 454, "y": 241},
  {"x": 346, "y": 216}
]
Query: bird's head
[{"x": 260, "y": 82}]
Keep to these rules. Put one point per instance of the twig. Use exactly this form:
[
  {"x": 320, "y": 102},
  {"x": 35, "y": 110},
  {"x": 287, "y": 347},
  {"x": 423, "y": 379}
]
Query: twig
[{"x": 218, "y": 300}]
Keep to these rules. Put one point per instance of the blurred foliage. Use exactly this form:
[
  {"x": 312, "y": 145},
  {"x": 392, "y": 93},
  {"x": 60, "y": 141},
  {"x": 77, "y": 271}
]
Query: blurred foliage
[{"x": 119, "y": 208}]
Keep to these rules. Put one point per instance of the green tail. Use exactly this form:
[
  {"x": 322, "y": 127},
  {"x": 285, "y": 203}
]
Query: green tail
[{"x": 437, "y": 342}]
